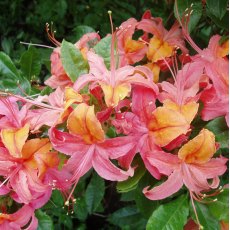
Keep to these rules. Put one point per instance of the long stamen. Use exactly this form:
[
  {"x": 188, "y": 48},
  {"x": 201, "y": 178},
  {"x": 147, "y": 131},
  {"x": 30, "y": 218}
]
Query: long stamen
[
  {"x": 186, "y": 19},
  {"x": 51, "y": 36},
  {"x": 112, "y": 59},
  {"x": 38, "y": 45},
  {"x": 194, "y": 208}
]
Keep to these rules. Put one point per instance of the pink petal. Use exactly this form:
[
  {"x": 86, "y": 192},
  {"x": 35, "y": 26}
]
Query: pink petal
[
  {"x": 80, "y": 163},
  {"x": 164, "y": 162},
  {"x": 117, "y": 147},
  {"x": 66, "y": 143},
  {"x": 167, "y": 188},
  {"x": 109, "y": 171}
]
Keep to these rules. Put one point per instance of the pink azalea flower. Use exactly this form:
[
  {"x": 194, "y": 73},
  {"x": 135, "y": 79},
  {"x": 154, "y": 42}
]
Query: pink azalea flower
[
  {"x": 151, "y": 127},
  {"x": 28, "y": 166},
  {"x": 130, "y": 51},
  {"x": 193, "y": 167},
  {"x": 116, "y": 84},
  {"x": 87, "y": 147},
  {"x": 18, "y": 220}
]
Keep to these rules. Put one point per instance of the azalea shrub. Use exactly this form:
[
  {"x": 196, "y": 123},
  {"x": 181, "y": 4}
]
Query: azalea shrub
[{"x": 128, "y": 131}]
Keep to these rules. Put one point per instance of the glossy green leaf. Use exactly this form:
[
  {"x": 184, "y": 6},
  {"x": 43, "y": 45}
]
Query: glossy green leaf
[
  {"x": 206, "y": 219},
  {"x": 131, "y": 182},
  {"x": 30, "y": 63},
  {"x": 94, "y": 192},
  {"x": 219, "y": 127},
  {"x": 219, "y": 208},
  {"x": 172, "y": 215},
  {"x": 10, "y": 77},
  {"x": 127, "y": 218},
  {"x": 44, "y": 221},
  {"x": 73, "y": 62},
  {"x": 103, "y": 49},
  {"x": 182, "y": 5},
  {"x": 218, "y": 8},
  {"x": 81, "y": 30}
]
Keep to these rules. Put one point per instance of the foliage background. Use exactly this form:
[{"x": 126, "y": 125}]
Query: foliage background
[{"x": 99, "y": 205}]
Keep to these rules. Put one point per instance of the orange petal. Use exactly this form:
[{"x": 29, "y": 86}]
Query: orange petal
[
  {"x": 223, "y": 50},
  {"x": 158, "y": 49},
  {"x": 200, "y": 149},
  {"x": 82, "y": 121},
  {"x": 188, "y": 110},
  {"x": 114, "y": 94},
  {"x": 14, "y": 139},
  {"x": 72, "y": 96},
  {"x": 166, "y": 125},
  {"x": 132, "y": 45},
  {"x": 36, "y": 145}
]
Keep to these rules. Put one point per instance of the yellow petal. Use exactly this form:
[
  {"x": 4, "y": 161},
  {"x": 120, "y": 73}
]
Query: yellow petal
[
  {"x": 166, "y": 125},
  {"x": 155, "y": 69},
  {"x": 83, "y": 121},
  {"x": 188, "y": 110},
  {"x": 114, "y": 94},
  {"x": 200, "y": 149},
  {"x": 14, "y": 139},
  {"x": 158, "y": 49}
]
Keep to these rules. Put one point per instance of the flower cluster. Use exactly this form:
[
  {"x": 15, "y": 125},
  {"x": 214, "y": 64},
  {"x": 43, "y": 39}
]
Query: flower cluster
[{"x": 149, "y": 93}]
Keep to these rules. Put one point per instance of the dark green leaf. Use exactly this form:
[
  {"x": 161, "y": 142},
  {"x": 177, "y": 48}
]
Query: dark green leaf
[
  {"x": 73, "y": 62},
  {"x": 30, "y": 63},
  {"x": 94, "y": 192},
  {"x": 81, "y": 209},
  {"x": 81, "y": 30},
  {"x": 131, "y": 182},
  {"x": 217, "y": 8},
  {"x": 182, "y": 5},
  {"x": 205, "y": 217},
  {"x": 172, "y": 215},
  {"x": 219, "y": 208},
  {"x": 10, "y": 77},
  {"x": 44, "y": 221},
  {"x": 103, "y": 49},
  {"x": 127, "y": 218}
]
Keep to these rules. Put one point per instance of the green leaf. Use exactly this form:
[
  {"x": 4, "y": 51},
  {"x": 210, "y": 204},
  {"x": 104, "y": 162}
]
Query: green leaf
[
  {"x": 94, "y": 192},
  {"x": 127, "y": 218},
  {"x": 172, "y": 215},
  {"x": 182, "y": 5},
  {"x": 44, "y": 221},
  {"x": 219, "y": 208},
  {"x": 206, "y": 219},
  {"x": 81, "y": 30},
  {"x": 81, "y": 209},
  {"x": 219, "y": 127},
  {"x": 131, "y": 182},
  {"x": 218, "y": 8},
  {"x": 72, "y": 60},
  {"x": 30, "y": 63},
  {"x": 10, "y": 77},
  {"x": 103, "y": 49}
]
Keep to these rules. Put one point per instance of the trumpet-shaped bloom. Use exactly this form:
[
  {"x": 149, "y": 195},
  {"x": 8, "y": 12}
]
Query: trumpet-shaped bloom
[
  {"x": 116, "y": 84},
  {"x": 193, "y": 167},
  {"x": 151, "y": 127},
  {"x": 27, "y": 166},
  {"x": 87, "y": 147},
  {"x": 24, "y": 218}
]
